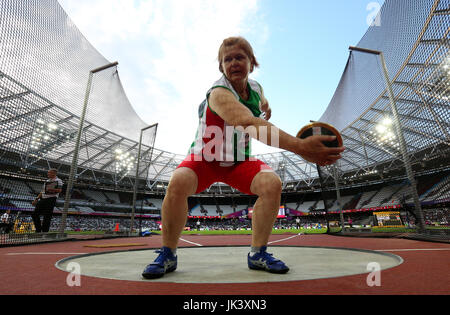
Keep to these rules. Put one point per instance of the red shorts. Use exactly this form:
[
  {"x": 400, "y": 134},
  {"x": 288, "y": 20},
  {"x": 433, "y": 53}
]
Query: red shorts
[{"x": 239, "y": 175}]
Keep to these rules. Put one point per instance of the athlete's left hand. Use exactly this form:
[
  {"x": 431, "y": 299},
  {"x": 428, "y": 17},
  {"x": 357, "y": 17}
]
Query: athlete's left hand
[{"x": 265, "y": 108}]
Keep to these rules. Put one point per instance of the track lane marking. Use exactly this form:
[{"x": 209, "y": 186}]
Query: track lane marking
[
  {"x": 196, "y": 244},
  {"x": 284, "y": 239},
  {"x": 277, "y": 241},
  {"x": 410, "y": 249},
  {"x": 43, "y": 253}
]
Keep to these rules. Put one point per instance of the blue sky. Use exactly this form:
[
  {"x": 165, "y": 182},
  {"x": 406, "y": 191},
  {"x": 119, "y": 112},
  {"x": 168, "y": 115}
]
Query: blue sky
[{"x": 167, "y": 54}]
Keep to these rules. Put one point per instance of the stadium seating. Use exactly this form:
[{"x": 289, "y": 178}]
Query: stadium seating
[
  {"x": 344, "y": 200},
  {"x": 95, "y": 196},
  {"x": 156, "y": 202},
  {"x": 111, "y": 196},
  {"x": 378, "y": 198},
  {"x": 211, "y": 210},
  {"x": 84, "y": 210},
  {"x": 20, "y": 195},
  {"x": 365, "y": 199},
  {"x": 23, "y": 204},
  {"x": 196, "y": 211},
  {"x": 291, "y": 205},
  {"x": 36, "y": 186},
  {"x": 306, "y": 206},
  {"x": 226, "y": 209},
  {"x": 439, "y": 191}
]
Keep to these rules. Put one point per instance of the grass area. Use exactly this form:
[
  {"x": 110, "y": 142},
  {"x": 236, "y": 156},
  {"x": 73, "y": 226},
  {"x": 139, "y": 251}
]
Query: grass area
[
  {"x": 277, "y": 232},
  {"x": 85, "y": 232},
  {"x": 249, "y": 232},
  {"x": 242, "y": 232},
  {"x": 393, "y": 230},
  {"x": 405, "y": 230},
  {"x": 233, "y": 232}
]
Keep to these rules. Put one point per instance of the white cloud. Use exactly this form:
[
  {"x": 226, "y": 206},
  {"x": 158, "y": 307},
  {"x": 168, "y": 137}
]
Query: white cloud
[
  {"x": 104, "y": 21},
  {"x": 167, "y": 53}
]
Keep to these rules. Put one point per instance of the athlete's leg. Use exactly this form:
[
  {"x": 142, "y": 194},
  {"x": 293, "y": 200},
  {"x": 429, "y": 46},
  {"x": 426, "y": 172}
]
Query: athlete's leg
[
  {"x": 254, "y": 177},
  {"x": 175, "y": 205},
  {"x": 36, "y": 215},
  {"x": 267, "y": 186}
]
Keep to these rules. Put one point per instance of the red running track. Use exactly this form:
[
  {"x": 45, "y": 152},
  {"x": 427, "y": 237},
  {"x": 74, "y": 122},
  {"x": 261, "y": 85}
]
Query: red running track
[{"x": 31, "y": 269}]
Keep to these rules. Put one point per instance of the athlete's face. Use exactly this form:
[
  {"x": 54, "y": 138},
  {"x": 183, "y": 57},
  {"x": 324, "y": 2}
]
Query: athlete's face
[
  {"x": 236, "y": 64},
  {"x": 51, "y": 174}
]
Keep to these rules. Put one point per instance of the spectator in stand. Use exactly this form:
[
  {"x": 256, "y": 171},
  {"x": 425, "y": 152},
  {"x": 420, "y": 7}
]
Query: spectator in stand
[
  {"x": 350, "y": 222},
  {"x": 45, "y": 202}
]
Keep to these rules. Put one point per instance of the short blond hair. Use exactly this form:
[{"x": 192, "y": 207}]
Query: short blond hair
[{"x": 243, "y": 44}]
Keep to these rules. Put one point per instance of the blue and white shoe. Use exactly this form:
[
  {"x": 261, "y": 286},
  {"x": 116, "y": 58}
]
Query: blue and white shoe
[
  {"x": 262, "y": 260},
  {"x": 164, "y": 263}
]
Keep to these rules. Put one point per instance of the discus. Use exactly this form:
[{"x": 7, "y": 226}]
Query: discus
[{"x": 321, "y": 129}]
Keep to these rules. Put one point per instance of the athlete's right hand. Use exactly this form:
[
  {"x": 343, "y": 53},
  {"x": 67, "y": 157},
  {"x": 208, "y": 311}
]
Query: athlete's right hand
[{"x": 313, "y": 150}]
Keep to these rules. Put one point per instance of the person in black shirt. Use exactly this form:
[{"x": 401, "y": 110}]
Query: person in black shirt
[
  {"x": 45, "y": 202},
  {"x": 5, "y": 221}
]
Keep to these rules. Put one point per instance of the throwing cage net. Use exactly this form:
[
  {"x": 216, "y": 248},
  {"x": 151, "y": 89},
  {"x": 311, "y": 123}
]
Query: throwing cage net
[
  {"x": 47, "y": 80},
  {"x": 392, "y": 107}
]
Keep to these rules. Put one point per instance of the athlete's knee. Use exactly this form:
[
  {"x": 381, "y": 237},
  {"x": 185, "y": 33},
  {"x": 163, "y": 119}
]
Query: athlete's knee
[
  {"x": 267, "y": 183},
  {"x": 183, "y": 183}
]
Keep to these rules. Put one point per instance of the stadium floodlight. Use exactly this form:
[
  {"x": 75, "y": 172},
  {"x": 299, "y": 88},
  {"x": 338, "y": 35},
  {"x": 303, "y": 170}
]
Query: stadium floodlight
[
  {"x": 442, "y": 84},
  {"x": 446, "y": 65},
  {"x": 384, "y": 135},
  {"x": 124, "y": 162},
  {"x": 47, "y": 136},
  {"x": 439, "y": 86},
  {"x": 387, "y": 121}
]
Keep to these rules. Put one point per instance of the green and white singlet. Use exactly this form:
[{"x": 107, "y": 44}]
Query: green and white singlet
[{"x": 215, "y": 139}]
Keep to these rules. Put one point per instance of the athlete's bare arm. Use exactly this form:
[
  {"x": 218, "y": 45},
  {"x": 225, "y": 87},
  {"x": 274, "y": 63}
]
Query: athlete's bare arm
[
  {"x": 265, "y": 107},
  {"x": 223, "y": 102}
]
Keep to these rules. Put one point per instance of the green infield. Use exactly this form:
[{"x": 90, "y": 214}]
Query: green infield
[
  {"x": 87, "y": 232},
  {"x": 274, "y": 231},
  {"x": 249, "y": 232}
]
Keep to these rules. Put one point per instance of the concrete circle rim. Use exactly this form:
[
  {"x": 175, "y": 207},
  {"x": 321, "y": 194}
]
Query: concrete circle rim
[{"x": 399, "y": 259}]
